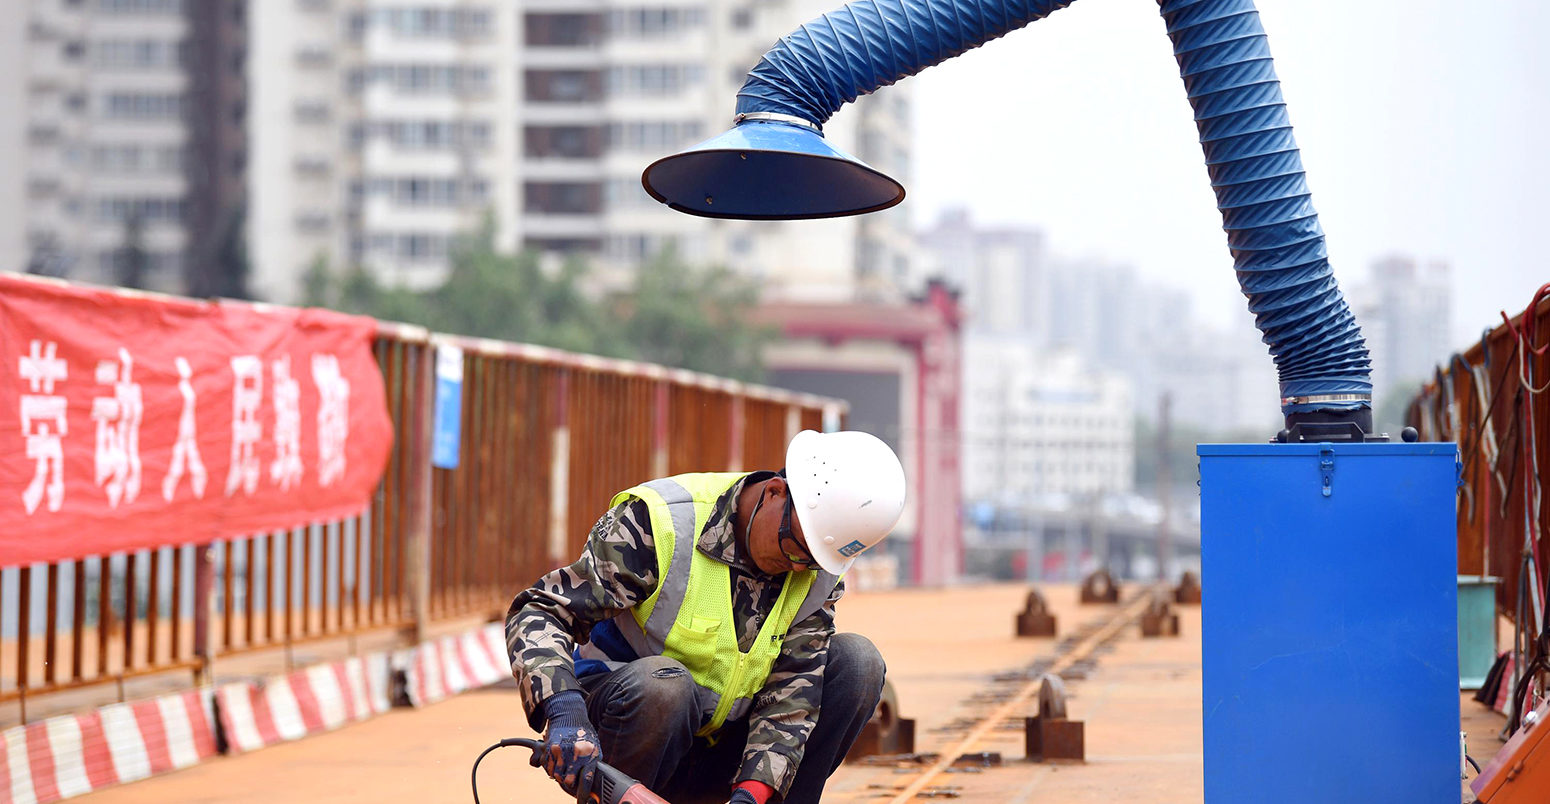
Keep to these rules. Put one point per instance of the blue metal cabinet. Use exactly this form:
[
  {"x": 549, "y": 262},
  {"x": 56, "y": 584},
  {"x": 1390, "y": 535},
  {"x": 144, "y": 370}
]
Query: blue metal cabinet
[{"x": 1330, "y": 623}]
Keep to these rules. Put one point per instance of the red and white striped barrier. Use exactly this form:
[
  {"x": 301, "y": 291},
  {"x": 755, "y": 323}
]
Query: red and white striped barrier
[
  {"x": 292, "y": 706},
  {"x": 70, "y": 755},
  {"x": 444, "y": 667}
]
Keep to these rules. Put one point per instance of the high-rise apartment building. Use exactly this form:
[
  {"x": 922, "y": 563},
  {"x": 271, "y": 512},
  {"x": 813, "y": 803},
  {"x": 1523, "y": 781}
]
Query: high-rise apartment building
[
  {"x": 382, "y": 130},
  {"x": 122, "y": 127},
  {"x": 611, "y": 85},
  {"x": 1405, "y": 312}
]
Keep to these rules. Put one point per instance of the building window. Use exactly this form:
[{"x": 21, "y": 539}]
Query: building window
[
  {"x": 425, "y": 22},
  {"x": 144, "y": 106},
  {"x": 312, "y": 222},
  {"x": 654, "y": 80},
  {"x": 408, "y": 246},
  {"x": 148, "y": 210},
  {"x": 653, "y": 22},
  {"x": 140, "y": 6},
  {"x": 313, "y": 167},
  {"x": 313, "y": 112},
  {"x": 314, "y": 58},
  {"x": 42, "y": 134},
  {"x": 564, "y": 86},
  {"x": 562, "y": 142},
  {"x": 423, "y": 79},
  {"x": 426, "y": 191},
  {"x": 562, "y": 198},
  {"x": 627, "y": 194},
  {"x": 425, "y": 134},
  {"x": 652, "y": 135},
  {"x": 564, "y": 245},
  {"x": 638, "y": 247},
  {"x": 562, "y": 30},
  {"x": 138, "y": 54},
  {"x": 138, "y": 158}
]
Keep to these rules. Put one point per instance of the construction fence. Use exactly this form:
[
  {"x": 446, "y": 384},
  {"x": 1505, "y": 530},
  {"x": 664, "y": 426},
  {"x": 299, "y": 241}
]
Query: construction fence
[{"x": 546, "y": 438}]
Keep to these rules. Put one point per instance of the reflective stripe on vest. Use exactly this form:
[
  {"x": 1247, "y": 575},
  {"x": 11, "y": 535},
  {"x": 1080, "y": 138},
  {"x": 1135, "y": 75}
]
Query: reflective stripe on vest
[{"x": 689, "y": 618}]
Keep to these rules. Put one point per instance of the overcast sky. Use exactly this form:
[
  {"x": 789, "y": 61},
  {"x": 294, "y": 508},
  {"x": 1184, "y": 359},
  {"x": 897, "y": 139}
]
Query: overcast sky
[{"x": 1423, "y": 127}]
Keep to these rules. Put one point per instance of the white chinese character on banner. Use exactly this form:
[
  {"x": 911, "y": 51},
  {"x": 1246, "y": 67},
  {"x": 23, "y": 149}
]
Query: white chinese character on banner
[
  {"x": 286, "y": 468},
  {"x": 247, "y": 394},
  {"x": 185, "y": 453},
  {"x": 333, "y": 417},
  {"x": 118, "y": 430},
  {"x": 43, "y": 423}
]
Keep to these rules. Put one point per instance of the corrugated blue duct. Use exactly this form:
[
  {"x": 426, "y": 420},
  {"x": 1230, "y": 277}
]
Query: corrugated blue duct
[{"x": 1224, "y": 58}]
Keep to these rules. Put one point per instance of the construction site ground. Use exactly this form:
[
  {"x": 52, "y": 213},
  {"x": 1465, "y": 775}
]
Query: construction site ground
[{"x": 952, "y": 658}]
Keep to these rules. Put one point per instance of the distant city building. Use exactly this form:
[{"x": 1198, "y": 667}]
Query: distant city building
[
  {"x": 1405, "y": 311},
  {"x": 1111, "y": 320},
  {"x": 382, "y": 130},
  {"x": 1038, "y": 424},
  {"x": 612, "y": 86},
  {"x": 898, "y": 364},
  {"x": 123, "y": 139},
  {"x": 1004, "y": 274}
]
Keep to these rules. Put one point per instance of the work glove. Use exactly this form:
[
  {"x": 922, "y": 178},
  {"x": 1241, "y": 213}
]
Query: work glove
[
  {"x": 741, "y": 796},
  {"x": 571, "y": 747}
]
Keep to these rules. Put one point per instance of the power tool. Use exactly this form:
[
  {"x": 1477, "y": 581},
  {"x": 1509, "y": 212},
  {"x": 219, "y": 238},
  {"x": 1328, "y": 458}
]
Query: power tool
[{"x": 602, "y": 784}]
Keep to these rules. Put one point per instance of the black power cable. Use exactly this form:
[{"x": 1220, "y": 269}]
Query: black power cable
[{"x": 506, "y": 743}]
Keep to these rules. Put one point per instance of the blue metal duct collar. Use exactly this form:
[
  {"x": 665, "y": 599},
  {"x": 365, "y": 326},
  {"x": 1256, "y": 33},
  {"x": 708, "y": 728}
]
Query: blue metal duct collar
[{"x": 769, "y": 170}]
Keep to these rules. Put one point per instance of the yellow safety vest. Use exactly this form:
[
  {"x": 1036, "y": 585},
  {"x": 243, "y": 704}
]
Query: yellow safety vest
[{"x": 688, "y": 617}]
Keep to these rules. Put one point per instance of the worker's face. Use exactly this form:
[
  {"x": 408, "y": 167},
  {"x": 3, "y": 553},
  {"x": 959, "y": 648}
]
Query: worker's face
[{"x": 774, "y": 533}]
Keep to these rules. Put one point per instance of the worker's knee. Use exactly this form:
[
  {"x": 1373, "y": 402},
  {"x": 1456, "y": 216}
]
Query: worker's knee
[
  {"x": 655, "y": 688},
  {"x": 857, "y": 665}
]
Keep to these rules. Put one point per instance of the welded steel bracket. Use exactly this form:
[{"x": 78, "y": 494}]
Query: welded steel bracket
[
  {"x": 1159, "y": 620},
  {"x": 1099, "y": 587},
  {"x": 1050, "y": 735},
  {"x": 886, "y": 733},
  {"x": 1187, "y": 593},
  {"x": 1035, "y": 620}
]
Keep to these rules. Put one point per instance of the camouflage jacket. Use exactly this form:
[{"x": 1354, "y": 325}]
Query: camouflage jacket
[{"x": 618, "y": 570}]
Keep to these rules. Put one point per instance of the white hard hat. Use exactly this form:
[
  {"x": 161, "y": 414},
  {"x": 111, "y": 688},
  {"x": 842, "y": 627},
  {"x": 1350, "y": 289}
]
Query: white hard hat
[{"x": 848, "y": 491}]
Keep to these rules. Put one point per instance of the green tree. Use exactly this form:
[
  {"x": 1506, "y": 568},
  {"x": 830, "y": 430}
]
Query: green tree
[
  {"x": 696, "y": 318},
  {"x": 675, "y": 314},
  {"x": 317, "y": 283},
  {"x": 510, "y": 297}
]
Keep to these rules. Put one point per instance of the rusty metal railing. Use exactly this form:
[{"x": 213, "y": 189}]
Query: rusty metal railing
[{"x": 547, "y": 438}]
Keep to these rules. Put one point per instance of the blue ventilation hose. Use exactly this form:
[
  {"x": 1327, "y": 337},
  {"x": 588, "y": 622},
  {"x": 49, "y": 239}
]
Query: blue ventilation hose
[{"x": 1224, "y": 58}]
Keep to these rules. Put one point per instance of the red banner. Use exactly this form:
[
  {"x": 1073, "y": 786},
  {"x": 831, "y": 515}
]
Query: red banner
[{"x": 131, "y": 421}]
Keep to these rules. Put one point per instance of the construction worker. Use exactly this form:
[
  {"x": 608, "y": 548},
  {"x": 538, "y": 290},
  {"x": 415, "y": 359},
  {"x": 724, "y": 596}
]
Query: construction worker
[{"x": 708, "y": 667}]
